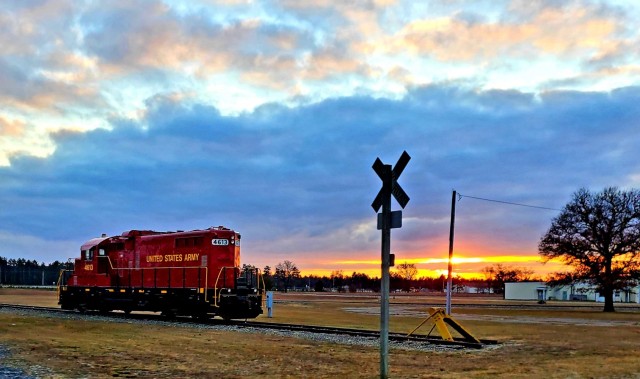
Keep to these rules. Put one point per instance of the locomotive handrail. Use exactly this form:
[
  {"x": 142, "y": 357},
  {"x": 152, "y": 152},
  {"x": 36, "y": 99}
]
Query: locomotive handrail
[
  {"x": 108, "y": 259},
  {"x": 218, "y": 294},
  {"x": 215, "y": 288},
  {"x": 60, "y": 276},
  {"x": 206, "y": 284},
  {"x": 70, "y": 261},
  {"x": 149, "y": 268},
  {"x": 206, "y": 272},
  {"x": 118, "y": 269},
  {"x": 262, "y": 291},
  {"x": 59, "y": 286},
  {"x": 264, "y": 288}
]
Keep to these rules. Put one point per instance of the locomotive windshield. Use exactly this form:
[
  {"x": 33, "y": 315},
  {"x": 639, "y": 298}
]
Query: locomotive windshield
[{"x": 88, "y": 254}]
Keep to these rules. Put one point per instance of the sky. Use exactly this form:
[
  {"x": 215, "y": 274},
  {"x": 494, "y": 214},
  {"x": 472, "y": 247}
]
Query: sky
[{"x": 266, "y": 117}]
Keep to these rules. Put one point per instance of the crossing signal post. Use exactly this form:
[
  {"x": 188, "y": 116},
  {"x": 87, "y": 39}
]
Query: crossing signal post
[{"x": 388, "y": 220}]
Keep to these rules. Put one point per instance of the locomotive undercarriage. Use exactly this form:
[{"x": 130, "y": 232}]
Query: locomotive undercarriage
[{"x": 228, "y": 304}]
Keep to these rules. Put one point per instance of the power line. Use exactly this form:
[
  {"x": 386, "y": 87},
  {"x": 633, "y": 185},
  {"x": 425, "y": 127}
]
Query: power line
[{"x": 460, "y": 196}]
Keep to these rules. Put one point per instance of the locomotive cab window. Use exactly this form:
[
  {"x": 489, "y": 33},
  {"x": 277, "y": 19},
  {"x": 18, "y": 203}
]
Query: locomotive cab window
[{"x": 88, "y": 254}]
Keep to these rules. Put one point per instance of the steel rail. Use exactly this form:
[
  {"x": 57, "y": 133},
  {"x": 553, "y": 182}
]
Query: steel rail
[{"x": 399, "y": 337}]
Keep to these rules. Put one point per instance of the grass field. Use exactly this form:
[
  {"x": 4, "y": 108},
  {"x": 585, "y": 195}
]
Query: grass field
[{"x": 573, "y": 342}]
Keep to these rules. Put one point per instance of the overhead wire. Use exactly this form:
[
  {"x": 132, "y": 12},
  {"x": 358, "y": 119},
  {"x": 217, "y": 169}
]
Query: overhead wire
[{"x": 460, "y": 196}]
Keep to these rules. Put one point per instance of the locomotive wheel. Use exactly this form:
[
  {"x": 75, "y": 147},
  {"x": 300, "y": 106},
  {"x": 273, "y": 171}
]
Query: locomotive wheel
[{"x": 127, "y": 311}]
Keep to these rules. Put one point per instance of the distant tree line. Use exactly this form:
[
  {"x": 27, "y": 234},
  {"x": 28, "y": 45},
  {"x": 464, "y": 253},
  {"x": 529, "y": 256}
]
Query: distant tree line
[
  {"x": 403, "y": 277},
  {"x": 28, "y": 272},
  {"x": 286, "y": 276}
]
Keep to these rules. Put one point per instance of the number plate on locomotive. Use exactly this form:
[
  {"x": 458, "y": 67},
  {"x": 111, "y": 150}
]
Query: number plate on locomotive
[{"x": 219, "y": 242}]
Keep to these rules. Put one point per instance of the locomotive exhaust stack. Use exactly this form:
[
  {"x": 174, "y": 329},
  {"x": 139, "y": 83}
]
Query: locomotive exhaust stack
[{"x": 193, "y": 273}]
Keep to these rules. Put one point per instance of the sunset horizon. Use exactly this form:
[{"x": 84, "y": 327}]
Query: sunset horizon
[{"x": 463, "y": 267}]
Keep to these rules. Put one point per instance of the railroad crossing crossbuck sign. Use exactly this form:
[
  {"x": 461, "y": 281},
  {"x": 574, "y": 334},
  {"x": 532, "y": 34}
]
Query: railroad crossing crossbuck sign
[{"x": 390, "y": 187}]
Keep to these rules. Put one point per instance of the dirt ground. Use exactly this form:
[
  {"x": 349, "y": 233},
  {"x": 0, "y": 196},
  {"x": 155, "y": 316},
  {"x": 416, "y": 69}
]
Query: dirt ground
[
  {"x": 43, "y": 298},
  {"x": 578, "y": 341}
]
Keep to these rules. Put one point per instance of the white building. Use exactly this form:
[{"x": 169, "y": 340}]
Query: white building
[
  {"x": 579, "y": 291},
  {"x": 526, "y": 291}
]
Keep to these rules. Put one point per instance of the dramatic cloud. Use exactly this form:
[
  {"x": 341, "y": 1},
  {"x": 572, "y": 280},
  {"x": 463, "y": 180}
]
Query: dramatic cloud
[
  {"x": 558, "y": 32},
  {"x": 267, "y": 116},
  {"x": 297, "y": 182}
]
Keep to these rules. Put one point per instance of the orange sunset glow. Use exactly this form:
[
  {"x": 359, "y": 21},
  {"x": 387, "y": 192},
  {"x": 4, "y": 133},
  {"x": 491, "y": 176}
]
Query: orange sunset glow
[{"x": 465, "y": 267}]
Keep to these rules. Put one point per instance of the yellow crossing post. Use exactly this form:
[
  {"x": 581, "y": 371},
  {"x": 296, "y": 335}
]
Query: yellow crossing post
[{"x": 441, "y": 320}]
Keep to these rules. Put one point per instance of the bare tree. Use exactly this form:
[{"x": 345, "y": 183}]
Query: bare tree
[
  {"x": 337, "y": 279},
  {"x": 498, "y": 274},
  {"x": 407, "y": 272},
  {"x": 267, "y": 278},
  {"x": 598, "y": 234},
  {"x": 287, "y": 271}
]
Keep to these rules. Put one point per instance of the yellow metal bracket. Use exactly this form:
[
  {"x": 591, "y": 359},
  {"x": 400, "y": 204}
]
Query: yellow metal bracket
[
  {"x": 60, "y": 287},
  {"x": 441, "y": 320}
]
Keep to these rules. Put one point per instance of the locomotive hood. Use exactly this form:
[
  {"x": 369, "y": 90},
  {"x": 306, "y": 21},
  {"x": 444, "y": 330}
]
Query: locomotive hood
[{"x": 92, "y": 242}]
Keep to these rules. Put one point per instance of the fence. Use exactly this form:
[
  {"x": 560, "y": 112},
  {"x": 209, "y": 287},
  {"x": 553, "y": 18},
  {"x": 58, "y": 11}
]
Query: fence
[{"x": 28, "y": 276}]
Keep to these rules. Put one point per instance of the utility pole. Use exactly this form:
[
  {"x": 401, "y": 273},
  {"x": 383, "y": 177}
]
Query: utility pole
[{"x": 451, "y": 230}]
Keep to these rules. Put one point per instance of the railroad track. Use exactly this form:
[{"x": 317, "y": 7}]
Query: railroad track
[
  {"x": 372, "y": 334},
  {"x": 398, "y": 337},
  {"x": 36, "y": 308},
  {"x": 530, "y": 306}
]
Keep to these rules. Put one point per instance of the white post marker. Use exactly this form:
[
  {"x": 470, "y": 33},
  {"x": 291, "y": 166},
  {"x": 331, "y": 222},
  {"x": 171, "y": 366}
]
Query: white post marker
[{"x": 270, "y": 304}]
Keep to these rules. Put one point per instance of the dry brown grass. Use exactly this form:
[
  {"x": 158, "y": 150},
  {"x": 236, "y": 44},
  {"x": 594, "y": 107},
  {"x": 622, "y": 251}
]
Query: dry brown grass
[
  {"x": 531, "y": 349},
  {"x": 42, "y": 298}
]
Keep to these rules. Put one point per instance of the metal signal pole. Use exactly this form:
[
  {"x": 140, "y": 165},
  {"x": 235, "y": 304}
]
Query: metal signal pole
[
  {"x": 451, "y": 230},
  {"x": 384, "y": 287},
  {"x": 387, "y": 220}
]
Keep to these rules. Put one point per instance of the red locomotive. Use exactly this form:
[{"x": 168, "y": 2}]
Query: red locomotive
[{"x": 193, "y": 273}]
